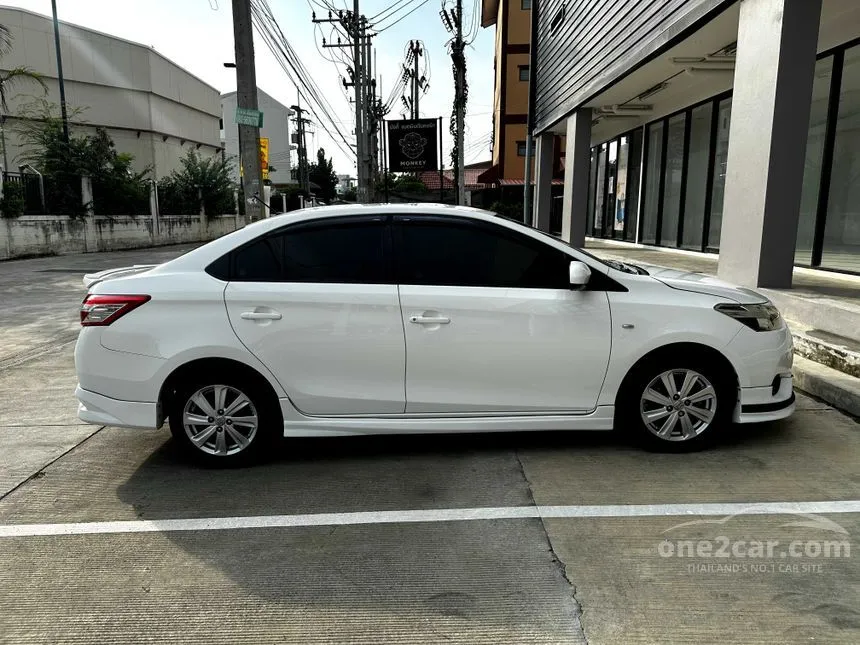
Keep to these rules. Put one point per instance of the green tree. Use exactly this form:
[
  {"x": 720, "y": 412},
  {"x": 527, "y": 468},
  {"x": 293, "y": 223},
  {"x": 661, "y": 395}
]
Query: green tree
[
  {"x": 322, "y": 174},
  {"x": 179, "y": 193},
  {"x": 117, "y": 188},
  {"x": 9, "y": 79}
]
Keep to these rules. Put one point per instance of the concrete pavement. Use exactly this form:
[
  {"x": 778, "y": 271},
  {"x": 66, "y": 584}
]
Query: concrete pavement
[
  {"x": 533, "y": 580},
  {"x": 41, "y": 296}
]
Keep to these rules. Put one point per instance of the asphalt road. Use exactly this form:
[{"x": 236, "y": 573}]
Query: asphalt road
[{"x": 108, "y": 535}]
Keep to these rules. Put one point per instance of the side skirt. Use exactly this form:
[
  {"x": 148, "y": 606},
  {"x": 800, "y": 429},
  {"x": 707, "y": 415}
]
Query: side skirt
[{"x": 298, "y": 425}]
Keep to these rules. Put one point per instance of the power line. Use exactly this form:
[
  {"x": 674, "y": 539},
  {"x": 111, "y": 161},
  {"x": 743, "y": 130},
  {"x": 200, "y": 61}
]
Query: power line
[
  {"x": 286, "y": 57},
  {"x": 406, "y": 15}
]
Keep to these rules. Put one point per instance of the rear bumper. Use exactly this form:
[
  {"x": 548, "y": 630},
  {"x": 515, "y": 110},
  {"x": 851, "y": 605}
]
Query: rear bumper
[{"x": 102, "y": 410}]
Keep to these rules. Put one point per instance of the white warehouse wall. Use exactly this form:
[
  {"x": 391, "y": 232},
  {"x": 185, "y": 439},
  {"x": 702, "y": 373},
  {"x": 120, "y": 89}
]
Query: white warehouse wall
[{"x": 151, "y": 107}]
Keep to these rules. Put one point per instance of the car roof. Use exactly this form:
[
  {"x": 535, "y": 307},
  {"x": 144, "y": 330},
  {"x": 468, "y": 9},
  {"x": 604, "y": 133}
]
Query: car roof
[{"x": 204, "y": 255}]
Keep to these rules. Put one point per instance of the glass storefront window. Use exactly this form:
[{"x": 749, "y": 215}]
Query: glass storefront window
[
  {"x": 814, "y": 157},
  {"x": 600, "y": 193},
  {"x": 718, "y": 181},
  {"x": 631, "y": 201},
  {"x": 697, "y": 176},
  {"x": 651, "y": 202},
  {"x": 605, "y": 229},
  {"x": 841, "y": 248},
  {"x": 674, "y": 179},
  {"x": 619, "y": 212},
  {"x": 592, "y": 176}
]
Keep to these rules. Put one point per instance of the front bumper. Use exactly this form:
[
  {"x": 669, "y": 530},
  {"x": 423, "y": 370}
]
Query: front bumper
[
  {"x": 758, "y": 404},
  {"x": 105, "y": 411}
]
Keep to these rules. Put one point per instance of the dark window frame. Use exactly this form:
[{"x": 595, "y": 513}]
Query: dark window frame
[
  {"x": 523, "y": 144},
  {"x": 526, "y": 5},
  {"x": 523, "y": 68}
]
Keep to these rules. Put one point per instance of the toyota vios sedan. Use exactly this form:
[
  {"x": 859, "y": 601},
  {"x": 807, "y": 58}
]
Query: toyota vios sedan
[{"x": 418, "y": 319}]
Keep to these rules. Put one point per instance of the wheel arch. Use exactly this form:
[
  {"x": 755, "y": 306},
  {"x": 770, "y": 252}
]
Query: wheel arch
[
  {"x": 194, "y": 368},
  {"x": 664, "y": 353}
]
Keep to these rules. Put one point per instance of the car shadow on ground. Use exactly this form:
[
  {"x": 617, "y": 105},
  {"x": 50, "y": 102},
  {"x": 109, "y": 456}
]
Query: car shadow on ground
[{"x": 496, "y": 575}]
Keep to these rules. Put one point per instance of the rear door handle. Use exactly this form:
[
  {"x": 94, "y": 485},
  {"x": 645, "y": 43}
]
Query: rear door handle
[
  {"x": 429, "y": 320},
  {"x": 261, "y": 315}
]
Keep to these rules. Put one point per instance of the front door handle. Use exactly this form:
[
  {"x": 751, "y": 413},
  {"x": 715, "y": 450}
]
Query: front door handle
[
  {"x": 429, "y": 320},
  {"x": 261, "y": 315}
]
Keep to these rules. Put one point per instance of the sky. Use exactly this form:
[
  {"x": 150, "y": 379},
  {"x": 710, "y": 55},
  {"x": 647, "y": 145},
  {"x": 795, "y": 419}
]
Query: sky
[{"x": 198, "y": 35}]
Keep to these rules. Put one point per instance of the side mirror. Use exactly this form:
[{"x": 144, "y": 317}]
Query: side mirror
[{"x": 579, "y": 274}]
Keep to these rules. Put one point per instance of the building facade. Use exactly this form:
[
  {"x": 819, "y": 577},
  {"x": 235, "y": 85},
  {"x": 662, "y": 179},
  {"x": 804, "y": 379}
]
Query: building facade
[
  {"x": 151, "y": 107},
  {"x": 710, "y": 125},
  {"x": 511, "y": 19},
  {"x": 276, "y": 128}
]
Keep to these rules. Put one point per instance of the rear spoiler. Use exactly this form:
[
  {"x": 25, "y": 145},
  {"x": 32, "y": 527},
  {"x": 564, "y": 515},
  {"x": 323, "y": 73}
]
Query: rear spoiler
[{"x": 91, "y": 279}]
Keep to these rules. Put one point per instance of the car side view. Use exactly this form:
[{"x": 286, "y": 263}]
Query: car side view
[{"x": 423, "y": 318}]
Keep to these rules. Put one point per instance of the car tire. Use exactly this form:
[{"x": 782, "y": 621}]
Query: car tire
[
  {"x": 677, "y": 404},
  {"x": 224, "y": 421}
]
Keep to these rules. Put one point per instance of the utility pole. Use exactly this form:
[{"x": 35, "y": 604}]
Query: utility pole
[
  {"x": 416, "y": 53},
  {"x": 246, "y": 98},
  {"x": 367, "y": 109},
  {"x": 355, "y": 26},
  {"x": 459, "y": 100},
  {"x": 416, "y": 82},
  {"x": 302, "y": 175},
  {"x": 374, "y": 130},
  {"x": 359, "y": 112},
  {"x": 63, "y": 111}
]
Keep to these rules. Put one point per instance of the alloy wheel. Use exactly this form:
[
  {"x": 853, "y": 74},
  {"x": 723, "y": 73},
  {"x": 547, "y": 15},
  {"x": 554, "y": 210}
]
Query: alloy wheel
[
  {"x": 678, "y": 405},
  {"x": 220, "y": 420}
]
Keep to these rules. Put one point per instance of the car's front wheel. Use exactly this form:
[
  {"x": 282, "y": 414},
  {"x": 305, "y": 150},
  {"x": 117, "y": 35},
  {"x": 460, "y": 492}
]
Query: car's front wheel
[
  {"x": 679, "y": 405},
  {"x": 225, "y": 422}
]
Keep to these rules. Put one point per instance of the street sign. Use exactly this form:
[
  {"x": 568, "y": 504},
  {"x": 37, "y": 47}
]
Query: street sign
[
  {"x": 413, "y": 145},
  {"x": 264, "y": 157},
  {"x": 247, "y": 116}
]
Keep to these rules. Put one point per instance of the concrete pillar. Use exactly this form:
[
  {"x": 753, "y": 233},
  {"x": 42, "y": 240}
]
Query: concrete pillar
[
  {"x": 153, "y": 207},
  {"x": 87, "y": 195},
  {"x": 542, "y": 202},
  {"x": 577, "y": 161},
  {"x": 774, "y": 71}
]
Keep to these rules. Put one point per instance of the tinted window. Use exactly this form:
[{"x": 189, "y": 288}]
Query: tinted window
[
  {"x": 336, "y": 252},
  {"x": 480, "y": 255},
  {"x": 261, "y": 261},
  {"x": 343, "y": 253}
]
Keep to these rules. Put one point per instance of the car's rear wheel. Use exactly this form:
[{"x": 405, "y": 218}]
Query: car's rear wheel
[
  {"x": 223, "y": 422},
  {"x": 677, "y": 405}
]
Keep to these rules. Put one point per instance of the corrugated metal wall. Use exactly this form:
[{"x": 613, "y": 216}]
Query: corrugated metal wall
[{"x": 595, "y": 42}]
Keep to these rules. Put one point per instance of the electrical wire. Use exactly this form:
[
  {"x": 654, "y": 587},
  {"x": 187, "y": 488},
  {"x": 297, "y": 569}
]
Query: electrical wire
[
  {"x": 388, "y": 10},
  {"x": 406, "y": 15},
  {"x": 287, "y": 58}
]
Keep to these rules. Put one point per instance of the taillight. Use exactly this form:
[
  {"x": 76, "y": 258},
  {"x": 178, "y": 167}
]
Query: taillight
[{"x": 103, "y": 310}]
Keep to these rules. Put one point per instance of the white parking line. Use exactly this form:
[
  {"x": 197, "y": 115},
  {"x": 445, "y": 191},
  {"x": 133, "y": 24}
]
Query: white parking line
[{"x": 430, "y": 515}]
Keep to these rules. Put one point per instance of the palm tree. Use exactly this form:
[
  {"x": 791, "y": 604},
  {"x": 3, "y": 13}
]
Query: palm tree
[{"x": 8, "y": 80}]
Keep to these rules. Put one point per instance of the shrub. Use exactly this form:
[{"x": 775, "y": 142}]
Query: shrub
[{"x": 12, "y": 202}]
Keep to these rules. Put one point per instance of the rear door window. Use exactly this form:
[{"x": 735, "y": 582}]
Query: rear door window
[{"x": 339, "y": 251}]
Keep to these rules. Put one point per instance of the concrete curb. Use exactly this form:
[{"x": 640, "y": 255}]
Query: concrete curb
[{"x": 836, "y": 388}]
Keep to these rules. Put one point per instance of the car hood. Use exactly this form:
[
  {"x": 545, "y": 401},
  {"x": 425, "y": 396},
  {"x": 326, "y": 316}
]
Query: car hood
[{"x": 701, "y": 283}]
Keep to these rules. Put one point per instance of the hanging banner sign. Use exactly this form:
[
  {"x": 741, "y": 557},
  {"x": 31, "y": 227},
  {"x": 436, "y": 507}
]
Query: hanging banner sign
[{"x": 413, "y": 145}]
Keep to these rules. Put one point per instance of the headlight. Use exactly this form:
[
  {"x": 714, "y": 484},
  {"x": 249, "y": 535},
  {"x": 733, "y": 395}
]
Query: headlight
[{"x": 763, "y": 317}]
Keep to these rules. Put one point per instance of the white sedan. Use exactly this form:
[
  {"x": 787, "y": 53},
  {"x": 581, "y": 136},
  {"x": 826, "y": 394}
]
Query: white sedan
[{"x": 394, "y": 319}]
